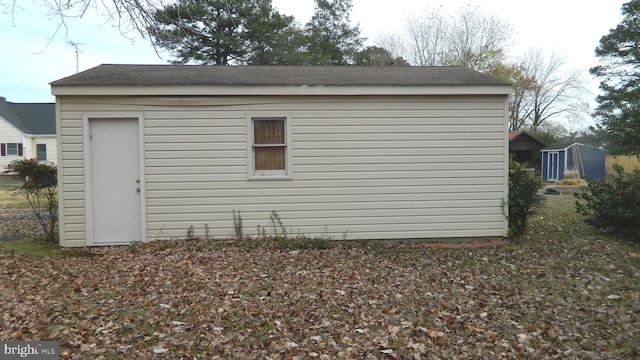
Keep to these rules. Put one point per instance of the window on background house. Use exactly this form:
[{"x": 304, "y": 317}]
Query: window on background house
[
  {"x": 41, "y": 152},
  {"x": 270, "y": 147},
  {"x": 11, "y": 149}
]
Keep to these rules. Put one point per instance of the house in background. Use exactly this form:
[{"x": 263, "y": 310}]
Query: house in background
[
  {"x": 588, "y": 161},
  {"x": 147, "y": 151},
  {"x": 27, "y": 131},
  {"x": 524, "y": 147}
]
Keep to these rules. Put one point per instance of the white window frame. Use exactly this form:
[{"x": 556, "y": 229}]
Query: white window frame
[
  {"x": 45, "y": 152},
  {"x": 252, "y": 173},
  {"x": 17, "y": 149}
]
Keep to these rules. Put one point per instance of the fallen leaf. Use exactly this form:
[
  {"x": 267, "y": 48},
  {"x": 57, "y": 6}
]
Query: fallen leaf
[
  {"x": 393, "y": 330},
  {"x": 159, "y": 350},
  {"x": 475, "y": 328},
  {"x": 254, "y": 302},
  {"x": 316, "y": 338}
]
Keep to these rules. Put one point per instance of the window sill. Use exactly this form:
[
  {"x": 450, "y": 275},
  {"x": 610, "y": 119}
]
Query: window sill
[{"x": 267, "y": 177}]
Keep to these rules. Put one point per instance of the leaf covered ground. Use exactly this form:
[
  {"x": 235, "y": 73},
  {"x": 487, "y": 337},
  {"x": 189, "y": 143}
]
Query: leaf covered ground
[{"x": 563, "y": 292}]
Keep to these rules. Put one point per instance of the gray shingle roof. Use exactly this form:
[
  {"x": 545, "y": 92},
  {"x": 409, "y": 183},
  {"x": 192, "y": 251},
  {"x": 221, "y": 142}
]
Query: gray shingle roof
[
  {"x": 30, "y": 118},
  {"x": 211, "y": 75}
]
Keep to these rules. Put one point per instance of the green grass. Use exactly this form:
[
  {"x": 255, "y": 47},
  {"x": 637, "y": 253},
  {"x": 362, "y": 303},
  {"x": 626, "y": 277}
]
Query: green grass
[
  {"x": 9, "y": 199},
  {"x": 39, "y": 248}
]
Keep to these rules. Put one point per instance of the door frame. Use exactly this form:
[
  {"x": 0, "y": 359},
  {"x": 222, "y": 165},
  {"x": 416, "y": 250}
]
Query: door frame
[
  {"x": 88, "y": 188},
  {"x": 553, "y": 167}
]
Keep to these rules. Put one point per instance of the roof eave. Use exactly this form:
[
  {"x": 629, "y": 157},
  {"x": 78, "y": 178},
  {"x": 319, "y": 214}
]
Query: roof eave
[
  {"x": 561, "y": 148},
  {"x": 278, "y": 90},
  {"x": 33, "y": 136},
  {"x": 522, "y": 133}
]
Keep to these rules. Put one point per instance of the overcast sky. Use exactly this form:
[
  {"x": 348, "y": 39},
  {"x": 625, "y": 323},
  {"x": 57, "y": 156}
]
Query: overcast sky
[{"x": 29, "y": 61}]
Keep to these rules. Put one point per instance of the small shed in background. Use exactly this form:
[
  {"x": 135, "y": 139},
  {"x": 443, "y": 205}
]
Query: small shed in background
[
  {"x": 588, "y": 161},
  {"x": 524, "y": 147}
]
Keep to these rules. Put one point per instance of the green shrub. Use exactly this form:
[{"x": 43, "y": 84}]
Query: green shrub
[
  {"x": 282, "y": 239},
  {"x": 523, "y": 197},
  {"x": 614, "y": 204}
]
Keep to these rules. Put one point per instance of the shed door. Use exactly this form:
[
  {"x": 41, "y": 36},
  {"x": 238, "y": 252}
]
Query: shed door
[
  {"x": 115, "y": 181},
  {"x": 553, "y": 166}
]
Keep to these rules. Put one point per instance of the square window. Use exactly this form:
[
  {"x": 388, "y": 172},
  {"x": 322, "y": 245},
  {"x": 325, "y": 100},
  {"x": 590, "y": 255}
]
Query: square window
[
  {"x": 269, "y": 147},
  {"x": 12, "y": 149}
]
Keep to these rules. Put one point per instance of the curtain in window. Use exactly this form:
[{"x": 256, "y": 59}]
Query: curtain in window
[{"x": 269, "y": 144}]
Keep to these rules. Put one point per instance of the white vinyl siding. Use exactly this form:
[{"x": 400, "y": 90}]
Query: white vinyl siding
[
  {"x": 367, "y": 167},
  {"x": 49, "y": 142},
  {"x": 9, "y": 134}
]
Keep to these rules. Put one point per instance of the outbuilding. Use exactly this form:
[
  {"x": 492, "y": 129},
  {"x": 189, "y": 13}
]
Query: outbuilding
[
  {"x": 149, "y": 151},
  {"x": 589, "y": 162},
  {"x": 524, "y": 147}
]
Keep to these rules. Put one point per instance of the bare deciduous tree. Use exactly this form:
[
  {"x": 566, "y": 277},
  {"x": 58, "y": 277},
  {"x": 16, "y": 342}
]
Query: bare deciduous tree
[
  {"x": 427, "y": 38},
  {"x": 136, "y": 15},
  {"x": 553, "y": 92},
  {"x": 522, "y": 85},
  {"x": 470, "y": 38},
  {"x": 394, "y": 44},
  {"x": 477, "y": 39}
]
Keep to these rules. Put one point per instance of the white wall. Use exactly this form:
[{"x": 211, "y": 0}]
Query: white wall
[
  {"x": 364, "y": 167},
  {"x": 9, "y": 134},
  {"x": 50, "y": 141}
]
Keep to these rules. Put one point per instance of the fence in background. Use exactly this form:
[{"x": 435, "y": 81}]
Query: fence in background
[{"x": 627, "y": 162}]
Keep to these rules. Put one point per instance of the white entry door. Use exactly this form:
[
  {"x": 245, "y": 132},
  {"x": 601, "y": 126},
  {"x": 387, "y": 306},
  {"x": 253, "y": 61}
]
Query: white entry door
[
  {"x": 554, "y": 166},
  {"x": 115, "y": 181}
]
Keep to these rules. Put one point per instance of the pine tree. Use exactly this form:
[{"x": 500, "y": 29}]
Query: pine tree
[
  {"x": 223, "y": 32},
  {"x": 332, "y": 40},
  {"x": 618, "y": 109}
]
